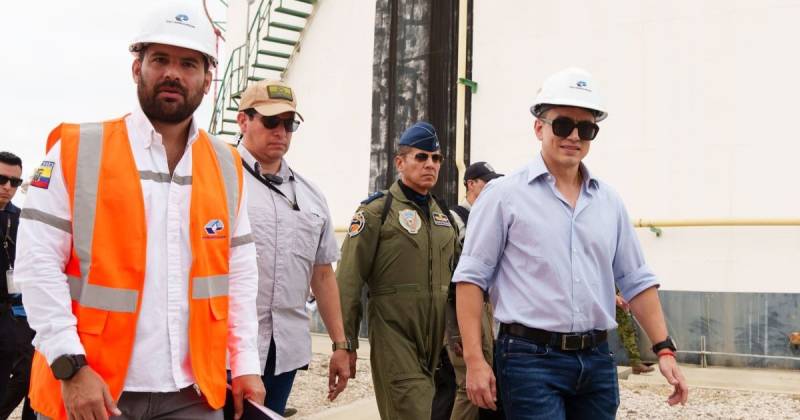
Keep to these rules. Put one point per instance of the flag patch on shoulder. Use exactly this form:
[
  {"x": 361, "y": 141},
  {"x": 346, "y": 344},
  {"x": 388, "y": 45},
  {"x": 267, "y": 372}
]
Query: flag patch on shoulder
[{"x": 41, "y": 178}]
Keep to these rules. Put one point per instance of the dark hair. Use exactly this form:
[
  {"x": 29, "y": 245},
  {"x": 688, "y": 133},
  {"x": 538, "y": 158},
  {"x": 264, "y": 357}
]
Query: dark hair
[
  {"x": 141, "y": 50},
  {"x": 403, "y": 150},
  {"x": 10, "y": 159},
  {"x": 250, "y": 112}
]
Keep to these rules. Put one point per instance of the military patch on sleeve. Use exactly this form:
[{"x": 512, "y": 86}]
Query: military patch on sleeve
[
  {"x": 372, "y": 197},
  {"x": 356, "y": 224},
  {"x": 440, "y": 219},
  {"x": 41, "y": 178}
]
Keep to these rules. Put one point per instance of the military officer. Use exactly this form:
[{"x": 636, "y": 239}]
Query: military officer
[{"x": 401, "y": 244}]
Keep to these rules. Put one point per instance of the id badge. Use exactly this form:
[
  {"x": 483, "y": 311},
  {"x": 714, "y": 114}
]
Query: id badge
[{"x": 12, "y": 287}]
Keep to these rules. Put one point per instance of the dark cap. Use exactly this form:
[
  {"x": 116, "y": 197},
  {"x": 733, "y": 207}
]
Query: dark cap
[
  {"x": 480, "y": 170},
  {"x": 421, "y": 135}
]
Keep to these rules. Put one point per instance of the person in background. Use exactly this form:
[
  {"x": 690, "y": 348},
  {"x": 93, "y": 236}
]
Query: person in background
[
  {"x": 402, "y": 246},
  {"x": 295, "y": 244},
  {"x": 16, "y": 350}
]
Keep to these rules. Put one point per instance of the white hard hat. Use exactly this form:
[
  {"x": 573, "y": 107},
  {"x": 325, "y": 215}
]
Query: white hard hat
[
  {"x": 570, "y": 87},
  {"x": 178, "y": 25}
]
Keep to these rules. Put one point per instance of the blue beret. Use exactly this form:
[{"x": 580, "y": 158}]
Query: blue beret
[{"x": 421, "y": 135}]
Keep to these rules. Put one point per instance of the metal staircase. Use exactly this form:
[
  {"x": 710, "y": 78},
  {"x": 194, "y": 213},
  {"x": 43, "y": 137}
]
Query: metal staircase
[{"x": 274, "y": 37}]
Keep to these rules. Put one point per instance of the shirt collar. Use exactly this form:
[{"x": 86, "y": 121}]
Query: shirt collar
[
  {"x": 537, "y": 168},
  {"x": 284, "y": 172},
  {"x": 144, "y": 131}
]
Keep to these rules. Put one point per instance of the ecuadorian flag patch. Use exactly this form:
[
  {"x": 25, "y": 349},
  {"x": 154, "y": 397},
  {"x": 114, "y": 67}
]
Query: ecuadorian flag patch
[{"x": 41, "y": 179}]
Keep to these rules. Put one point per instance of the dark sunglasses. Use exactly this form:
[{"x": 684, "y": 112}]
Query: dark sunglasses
[
  {"x": 290, "y": 124},
  {"x": 563, "y": 126},
  {"x": 423, "y": 157},
  {"x": 15, "y": 182}
]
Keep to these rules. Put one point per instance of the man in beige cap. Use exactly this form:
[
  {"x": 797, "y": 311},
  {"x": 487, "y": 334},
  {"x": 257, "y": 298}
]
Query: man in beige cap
[{"x": 294, "y": 237}]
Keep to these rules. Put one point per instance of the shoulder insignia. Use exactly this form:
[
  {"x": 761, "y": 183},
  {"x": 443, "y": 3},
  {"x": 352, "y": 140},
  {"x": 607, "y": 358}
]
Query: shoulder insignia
[
  {"x": 440, "y": 219},
  {"x": 41, "y": 178},
  {"x": 357, "y": 224},
  {"x": 374, "y": 196}
]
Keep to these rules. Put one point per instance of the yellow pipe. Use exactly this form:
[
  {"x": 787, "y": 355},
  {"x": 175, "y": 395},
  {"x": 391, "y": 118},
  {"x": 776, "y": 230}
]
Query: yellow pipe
[
  {"x": 662, "y": 223},
  {"x": 646, "y": 223}
]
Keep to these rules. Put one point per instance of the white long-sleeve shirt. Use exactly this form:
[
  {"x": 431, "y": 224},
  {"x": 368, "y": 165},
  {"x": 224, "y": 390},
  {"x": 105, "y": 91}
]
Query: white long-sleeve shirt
[{"x": 160, "y": 360}]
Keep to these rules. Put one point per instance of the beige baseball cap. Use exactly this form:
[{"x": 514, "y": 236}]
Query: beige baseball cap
[{"x": 269, "y": 97}]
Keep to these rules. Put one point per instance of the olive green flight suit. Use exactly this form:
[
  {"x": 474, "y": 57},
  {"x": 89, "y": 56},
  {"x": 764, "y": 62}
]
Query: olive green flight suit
[{"x": 407, "y": 276}]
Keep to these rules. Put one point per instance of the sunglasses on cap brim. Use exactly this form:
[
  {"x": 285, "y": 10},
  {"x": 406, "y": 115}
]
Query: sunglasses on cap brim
[{"x": 563, "y": 126}]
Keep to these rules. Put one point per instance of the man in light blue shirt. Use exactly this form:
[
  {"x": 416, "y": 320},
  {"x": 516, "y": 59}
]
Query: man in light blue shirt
[{"x": 550, "y": 242}]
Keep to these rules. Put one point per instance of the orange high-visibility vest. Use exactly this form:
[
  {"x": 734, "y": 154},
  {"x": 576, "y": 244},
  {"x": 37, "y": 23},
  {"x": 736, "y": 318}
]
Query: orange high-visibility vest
[{"x": 106, "y": 269}]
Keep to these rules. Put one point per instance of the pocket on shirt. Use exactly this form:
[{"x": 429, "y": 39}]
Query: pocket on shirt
[
  {"x": 219, "y": 307},
  {"x": 308, "y": 229}
]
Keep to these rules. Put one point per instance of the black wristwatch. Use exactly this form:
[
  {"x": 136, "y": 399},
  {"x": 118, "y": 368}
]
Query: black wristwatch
[
  {"x": 67, "y": 365},
  {"x": 666, "y": 344}
]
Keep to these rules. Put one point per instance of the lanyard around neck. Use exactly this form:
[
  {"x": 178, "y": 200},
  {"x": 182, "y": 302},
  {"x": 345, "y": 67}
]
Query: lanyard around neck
[{"x": 270, "y": 185}]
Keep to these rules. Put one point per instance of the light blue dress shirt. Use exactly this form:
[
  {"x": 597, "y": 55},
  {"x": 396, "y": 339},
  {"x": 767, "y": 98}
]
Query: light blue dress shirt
[{"x": 545, "y": 265}]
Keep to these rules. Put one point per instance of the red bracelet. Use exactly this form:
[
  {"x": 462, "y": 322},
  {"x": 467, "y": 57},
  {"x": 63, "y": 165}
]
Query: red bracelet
[{"x": 666, "y": 353}]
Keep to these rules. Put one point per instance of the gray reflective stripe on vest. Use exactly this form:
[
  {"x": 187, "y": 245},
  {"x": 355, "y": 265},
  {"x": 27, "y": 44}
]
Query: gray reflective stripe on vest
[
  {"x": 87, "y": 174},
  {"x": 102, "y": 297},
  {"x": 242, "y": 240},
  {"x": 209, "y": 287},
  {"x": 47, "y": 218},
  {"x": 182, "y": 180},
  {"x": 154, "y": 176},
  {"x": 229, "y": 177}
]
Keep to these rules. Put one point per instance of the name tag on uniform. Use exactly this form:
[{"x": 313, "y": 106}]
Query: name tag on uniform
[{"x": 440, "y": 219}]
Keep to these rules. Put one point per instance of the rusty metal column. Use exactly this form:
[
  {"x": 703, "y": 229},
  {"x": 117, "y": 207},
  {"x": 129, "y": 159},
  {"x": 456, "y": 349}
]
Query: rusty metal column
[{"x": 414, "y": 78}]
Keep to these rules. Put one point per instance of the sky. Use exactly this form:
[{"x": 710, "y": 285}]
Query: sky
[{"x": 68, "y": 61}]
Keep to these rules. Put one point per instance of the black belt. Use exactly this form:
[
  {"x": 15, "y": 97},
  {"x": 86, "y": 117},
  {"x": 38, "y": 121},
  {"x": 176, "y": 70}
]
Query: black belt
[{"x": 564, "y": 341}]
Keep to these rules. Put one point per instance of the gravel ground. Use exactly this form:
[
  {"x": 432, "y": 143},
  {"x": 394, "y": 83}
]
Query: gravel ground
[
  {"x": 310, "y": 390},
  {"x": 645, "y": 401},
  {"x": 637, "y": 400}
]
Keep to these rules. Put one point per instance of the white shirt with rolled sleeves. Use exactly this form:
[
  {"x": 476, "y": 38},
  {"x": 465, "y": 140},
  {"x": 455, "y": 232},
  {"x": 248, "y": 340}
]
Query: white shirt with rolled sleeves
[
  {"x": 160, "y": 360},
  {"x": 289, "y": 244},
  {"x": 545, "y": 265}
]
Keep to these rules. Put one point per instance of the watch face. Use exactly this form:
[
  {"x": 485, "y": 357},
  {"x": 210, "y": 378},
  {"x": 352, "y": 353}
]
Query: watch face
[{"x": 62, "y": 368}]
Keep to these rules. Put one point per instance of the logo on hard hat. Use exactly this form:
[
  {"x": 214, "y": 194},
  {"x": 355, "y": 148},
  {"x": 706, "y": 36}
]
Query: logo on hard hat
[
  {"x": 181, "y": 18},
  {"x": 582, "y": 85}
]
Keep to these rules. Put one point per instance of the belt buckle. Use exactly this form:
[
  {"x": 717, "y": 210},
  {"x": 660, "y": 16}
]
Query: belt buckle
[{"x": 565, "y": 340}]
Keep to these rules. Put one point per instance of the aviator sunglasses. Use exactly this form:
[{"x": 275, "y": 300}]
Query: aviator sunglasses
[
  {"x": 563, "y": 126},
  {"x": 423, "y": 157},
  {"x": 15, "y": 182},
  {"x": 290, "y": 124}
]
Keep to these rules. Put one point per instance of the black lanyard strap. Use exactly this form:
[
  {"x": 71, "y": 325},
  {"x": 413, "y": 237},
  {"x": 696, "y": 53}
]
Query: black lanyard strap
[{"x": 269, "y": 185}]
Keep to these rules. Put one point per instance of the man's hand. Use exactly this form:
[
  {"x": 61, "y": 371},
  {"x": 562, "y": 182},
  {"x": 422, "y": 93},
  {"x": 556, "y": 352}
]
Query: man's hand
[
  {"x": 669, "y": 368},
  {"x": 86, "y": 396},
  {"x": 622, "y": 304},
  {"x": 246, "y": 387},
  {"x": 481, "y": 388},
  {"x": 353, "y": 357},
  {"x": 339, "y": 372}
]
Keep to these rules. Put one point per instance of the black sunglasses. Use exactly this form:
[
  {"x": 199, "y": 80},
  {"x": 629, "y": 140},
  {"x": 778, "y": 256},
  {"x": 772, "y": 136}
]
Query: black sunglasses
[
  {"x": 290, "y": 124},
  {"x": 15, "y": 182},
  {"x": 423, "y": 157},
  {"x": 563, "y": 126}
]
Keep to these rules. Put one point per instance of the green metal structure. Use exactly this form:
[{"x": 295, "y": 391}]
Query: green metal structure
[{"x": 274, "y": 34}]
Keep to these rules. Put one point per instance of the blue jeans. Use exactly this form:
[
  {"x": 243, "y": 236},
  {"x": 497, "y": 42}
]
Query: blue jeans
[
  {"x": 278, "y": 386},
  {"x": 542, "y": 382}
]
